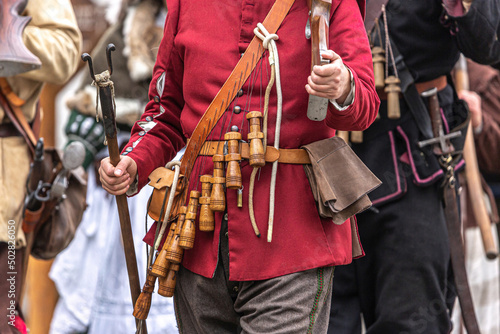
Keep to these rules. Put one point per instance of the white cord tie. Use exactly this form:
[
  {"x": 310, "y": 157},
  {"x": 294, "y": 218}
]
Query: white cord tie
[
  {"x": 269, "y": 40},
  {"x": 266, "y": 37}
]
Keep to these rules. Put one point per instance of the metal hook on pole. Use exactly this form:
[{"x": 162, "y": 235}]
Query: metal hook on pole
[
  {"x": 111, "y": 47},
  {"x": 86, "y": 57}
]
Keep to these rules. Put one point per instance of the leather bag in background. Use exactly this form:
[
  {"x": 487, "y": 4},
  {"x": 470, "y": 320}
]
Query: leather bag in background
[
  {"x": 50, "y": 228},
  {"x": 55, "y": 234},
  {"x": 60, "y": 217}
]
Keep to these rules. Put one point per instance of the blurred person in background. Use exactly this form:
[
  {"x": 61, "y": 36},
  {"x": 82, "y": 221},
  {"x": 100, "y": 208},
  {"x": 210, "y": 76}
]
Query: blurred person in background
[
  {"x": 90, "y": 275},
  {"x": 53, "y": 37}
]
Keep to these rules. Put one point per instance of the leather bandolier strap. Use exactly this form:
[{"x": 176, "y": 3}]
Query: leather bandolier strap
[
  {"x": 286, "y": 156},
  {"x": 11, "y": 103},
  {"x": 457, "y": 254},
  {"x": 231, "y": 87}
]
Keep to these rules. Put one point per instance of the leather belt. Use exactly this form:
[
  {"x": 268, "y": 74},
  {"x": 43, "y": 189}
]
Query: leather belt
[
  {"x": 440, "y": 83},
  {"x": 8, "y": 130},
  {"x": 296, "y": 156}
]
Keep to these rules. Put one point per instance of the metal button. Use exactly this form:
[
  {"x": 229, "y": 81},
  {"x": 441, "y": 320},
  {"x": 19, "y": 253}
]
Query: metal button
[
  {"x": 235, "y": 289},
  {"x": 225, "y": 216},
  {"x": 156, "y": 99},
  {"x": 226, "y": 234},
  {"x": 142, "y": 133},
  {"x": 237, "y": 109},
  {"x": 240, "y": 93},
  {"x": 128, "y": 149},
  {"x": 149, "y": 118}
]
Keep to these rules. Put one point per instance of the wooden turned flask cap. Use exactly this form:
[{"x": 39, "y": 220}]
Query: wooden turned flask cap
[
  {"x": 356, "y": 137},
  {"x": 393, "y": 89},
  {"x": 207, "y": 219},
  {"x": 160, "y": 266},
  {"x": 166, "y": 285},
  {"x": 218, "y": 196},
  {"x": 174, "y": 251},
  {"x": 255, "y": 137},
  {"x": 233, "y": 172},
  {"x": 186, "y": 239},
  {"x": 378, "y": 57}
]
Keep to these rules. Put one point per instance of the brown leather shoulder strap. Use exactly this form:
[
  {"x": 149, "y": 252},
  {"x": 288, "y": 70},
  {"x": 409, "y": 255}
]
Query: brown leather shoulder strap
[
  {"x": 9, "y": 94},
  {"x": 15, "y": 114},
  {"x": 457, "y": 254},
  {"x": 232, "y": 85},
  {"x": 373, "y": 10}
]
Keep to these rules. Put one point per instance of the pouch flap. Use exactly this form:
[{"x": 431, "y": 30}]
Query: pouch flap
[
  {"x": 341, "y": 179},
  {"x": 161, "y": 177}
]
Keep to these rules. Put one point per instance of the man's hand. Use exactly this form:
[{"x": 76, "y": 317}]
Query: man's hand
[
  {"x": 117, "y": 180},
  {"x": 331, "y": 81},
  {"x": 474, "y": 102}
]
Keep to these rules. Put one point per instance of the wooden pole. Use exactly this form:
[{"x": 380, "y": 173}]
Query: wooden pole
[
  {"x": 472, "y": 174},
  {"x": 109, "y": 119}
]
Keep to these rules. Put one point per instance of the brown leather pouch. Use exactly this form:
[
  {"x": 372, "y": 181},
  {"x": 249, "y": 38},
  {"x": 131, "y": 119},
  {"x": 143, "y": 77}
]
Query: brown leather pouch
[
  {"x": 60, "y": 219},
  {"x": 339, "y": 180},
  {"x": 161, "y": 180},
  {"x": 31, "y": 219}
]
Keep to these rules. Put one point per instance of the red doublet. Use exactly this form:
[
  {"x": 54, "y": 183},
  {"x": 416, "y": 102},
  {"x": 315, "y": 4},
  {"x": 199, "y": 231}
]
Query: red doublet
[{"x": 202, "y": 43}]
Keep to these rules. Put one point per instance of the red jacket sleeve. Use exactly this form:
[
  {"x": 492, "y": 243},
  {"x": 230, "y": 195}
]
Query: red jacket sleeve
[
  {"x": 348, "y": 39},
  {"x": 159, "y": 129}
]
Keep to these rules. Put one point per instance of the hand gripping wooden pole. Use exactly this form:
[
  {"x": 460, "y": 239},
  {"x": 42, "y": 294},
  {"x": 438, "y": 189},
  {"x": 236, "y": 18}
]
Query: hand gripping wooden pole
[
  {"x": 472, "y": 174},
  {"x": 105, "y": 90}
]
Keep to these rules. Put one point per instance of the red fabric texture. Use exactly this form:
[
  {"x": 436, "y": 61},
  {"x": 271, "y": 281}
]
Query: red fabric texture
[
  {"x": 20, "y": 325},
  {"x": 202, "y": 44}
]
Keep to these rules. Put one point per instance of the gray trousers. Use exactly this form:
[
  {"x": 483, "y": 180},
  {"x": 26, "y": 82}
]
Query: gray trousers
[{"x": 294, "y": 303}]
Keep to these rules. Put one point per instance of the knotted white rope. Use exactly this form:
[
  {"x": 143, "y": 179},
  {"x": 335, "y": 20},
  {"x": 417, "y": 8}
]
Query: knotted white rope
[
  {"x": 103, "y": 80},
  {"x": 268, "y": 42}
]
